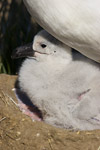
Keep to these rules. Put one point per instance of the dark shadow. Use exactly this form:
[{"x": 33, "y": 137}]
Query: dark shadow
[
  {"x": 16, "y": 28},
  {"x": 23, "y": 97}
]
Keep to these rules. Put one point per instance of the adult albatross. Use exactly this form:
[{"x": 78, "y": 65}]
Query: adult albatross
[{"x": 74, "y": 22}]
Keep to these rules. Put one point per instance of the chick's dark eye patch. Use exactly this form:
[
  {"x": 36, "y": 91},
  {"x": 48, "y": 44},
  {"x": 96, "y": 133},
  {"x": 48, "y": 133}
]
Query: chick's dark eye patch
[{"x": 43, "y": 45}]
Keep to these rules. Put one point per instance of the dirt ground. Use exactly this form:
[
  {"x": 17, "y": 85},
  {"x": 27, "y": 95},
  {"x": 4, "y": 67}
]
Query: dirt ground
[{"x": 19, "y": 132}]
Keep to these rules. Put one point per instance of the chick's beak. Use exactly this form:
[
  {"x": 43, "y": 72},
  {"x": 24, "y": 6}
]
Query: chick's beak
[{"x": 23, "y": 51}]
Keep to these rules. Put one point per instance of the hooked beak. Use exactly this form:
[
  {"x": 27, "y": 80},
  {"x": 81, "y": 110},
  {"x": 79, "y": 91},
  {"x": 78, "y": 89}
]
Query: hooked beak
[{"x": 23, "y": 51}]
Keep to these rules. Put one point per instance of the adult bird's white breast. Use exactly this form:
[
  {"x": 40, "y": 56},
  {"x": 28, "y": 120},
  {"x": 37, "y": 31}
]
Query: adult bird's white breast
[{"x": 74, "y": 22}]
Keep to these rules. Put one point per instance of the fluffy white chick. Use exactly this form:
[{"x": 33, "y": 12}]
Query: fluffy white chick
[{"x": 63, "y": 84}]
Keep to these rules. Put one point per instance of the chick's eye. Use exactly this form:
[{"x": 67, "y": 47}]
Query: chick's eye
[{"x": 43, "y": 45}]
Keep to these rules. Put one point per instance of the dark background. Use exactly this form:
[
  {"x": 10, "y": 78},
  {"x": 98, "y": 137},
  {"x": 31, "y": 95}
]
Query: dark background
[{"x": 17, "y": 28}]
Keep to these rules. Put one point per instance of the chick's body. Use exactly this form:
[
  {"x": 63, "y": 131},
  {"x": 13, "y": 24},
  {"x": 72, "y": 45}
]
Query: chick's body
[{"x": 63, "y": 84}]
